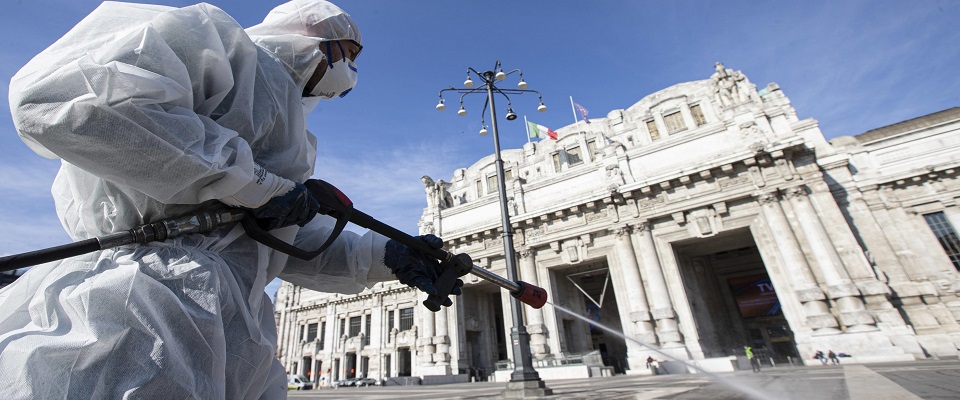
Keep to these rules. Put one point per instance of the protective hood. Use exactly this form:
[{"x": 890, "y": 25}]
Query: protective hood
[{"x": 293, "y": 32}]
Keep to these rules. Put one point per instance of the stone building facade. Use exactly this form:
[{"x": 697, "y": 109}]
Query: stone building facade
[{"x": 703, "y": 218}]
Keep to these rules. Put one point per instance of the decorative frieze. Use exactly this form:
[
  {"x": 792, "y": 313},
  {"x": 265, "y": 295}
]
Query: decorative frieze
[
  {"x": 597, "y": 216},
  {"x": 734, "y": 181}
]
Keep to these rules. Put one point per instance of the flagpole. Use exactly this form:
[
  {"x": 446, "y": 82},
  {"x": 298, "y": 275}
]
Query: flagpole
[
  {"x": 526, "y": 128},
  {"x": 574, "y": 109}
]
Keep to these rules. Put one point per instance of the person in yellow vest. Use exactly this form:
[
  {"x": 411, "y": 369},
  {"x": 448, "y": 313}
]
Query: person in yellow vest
[{"x": 754, "y": 361}]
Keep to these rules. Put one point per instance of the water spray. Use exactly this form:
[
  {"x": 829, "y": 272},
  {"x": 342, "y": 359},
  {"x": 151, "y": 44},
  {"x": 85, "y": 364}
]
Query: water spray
[{"x": 746, "y": 390}]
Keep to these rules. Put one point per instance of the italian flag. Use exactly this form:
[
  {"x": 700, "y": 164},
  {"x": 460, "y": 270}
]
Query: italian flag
[{"x": 540, "y": 131}]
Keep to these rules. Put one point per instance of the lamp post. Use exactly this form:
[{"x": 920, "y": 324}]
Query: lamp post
[{"x": 523, "y": 371}]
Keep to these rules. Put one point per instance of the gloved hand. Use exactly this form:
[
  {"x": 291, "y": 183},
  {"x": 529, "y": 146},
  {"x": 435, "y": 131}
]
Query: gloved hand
[
  {"x": 415, "y": 269},
  {"x": 296, "y": 206}
]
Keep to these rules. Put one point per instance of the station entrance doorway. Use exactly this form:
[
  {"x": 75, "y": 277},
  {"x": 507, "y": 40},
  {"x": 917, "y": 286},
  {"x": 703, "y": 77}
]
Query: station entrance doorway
[
  {"x": 588, "y": 289},
  {"x": 733, "y": 301},
  {"x": 485, "y": 330}
]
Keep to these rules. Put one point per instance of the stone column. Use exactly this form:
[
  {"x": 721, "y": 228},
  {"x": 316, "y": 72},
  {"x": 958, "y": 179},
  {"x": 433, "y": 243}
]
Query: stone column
[
  {"x": 507, "y": 318},
  {"x": 899, "y": 242},
  {"x": 442, "y": 340},
  {"x": 629, "y": 271},
  {"x": 293, "y": 341},
  {"x": 632, "y": 300},
  {"x": 815, "y": 307},
  {"x": 669, "y": 332},
  {"x": 376, "y": 324},
  {"x": 853, "y": 314},
  {"x": 550, "y": 319},
  {"x": 534, "y": 317},
  {"x": 427, "y": 332},
  {"x": 330, "y": 338}
]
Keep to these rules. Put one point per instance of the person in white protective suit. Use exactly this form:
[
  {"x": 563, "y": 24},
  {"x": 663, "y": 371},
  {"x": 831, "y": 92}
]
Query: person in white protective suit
[{"x": 156, "y": 112}]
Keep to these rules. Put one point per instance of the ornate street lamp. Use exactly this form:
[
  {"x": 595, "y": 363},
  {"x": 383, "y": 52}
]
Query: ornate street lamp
[{"x": 523, "y": 371}]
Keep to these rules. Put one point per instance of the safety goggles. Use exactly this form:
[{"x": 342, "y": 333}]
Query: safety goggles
[{"x": 339, "y": 49}]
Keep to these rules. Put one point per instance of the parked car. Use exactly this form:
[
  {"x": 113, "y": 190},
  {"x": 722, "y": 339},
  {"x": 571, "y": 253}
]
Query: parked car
[
  {"x": 365, "y": 382},
  {"x": 344, "y": 382},
  {"x": 298, "y": 382}
]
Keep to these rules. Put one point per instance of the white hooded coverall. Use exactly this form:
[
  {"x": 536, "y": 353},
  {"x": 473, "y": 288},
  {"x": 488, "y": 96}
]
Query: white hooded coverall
[{"x": 155, "y": 112}]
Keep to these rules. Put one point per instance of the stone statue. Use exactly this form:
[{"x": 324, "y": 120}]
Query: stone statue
[
  {"x": 742, "y": 86},
  {"x": 430, "y": 188},
  {"x": 444, "y": 199},
  {"x": 726, "y": 85},
  {"x": 437, "y": 193},
  {"x": 427, "y": 228}
]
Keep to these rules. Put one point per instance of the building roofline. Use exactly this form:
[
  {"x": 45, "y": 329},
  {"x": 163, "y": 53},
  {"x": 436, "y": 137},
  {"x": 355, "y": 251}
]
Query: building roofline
[{"x": 921, "y": 122}]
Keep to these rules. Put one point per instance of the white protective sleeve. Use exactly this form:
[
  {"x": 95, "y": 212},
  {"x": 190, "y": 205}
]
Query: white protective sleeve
[{"x": 352, "y": 263}]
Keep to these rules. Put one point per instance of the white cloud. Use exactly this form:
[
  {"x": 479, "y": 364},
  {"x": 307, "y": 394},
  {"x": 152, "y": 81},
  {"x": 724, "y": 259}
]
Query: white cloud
[{"x": 386, "y": 183}]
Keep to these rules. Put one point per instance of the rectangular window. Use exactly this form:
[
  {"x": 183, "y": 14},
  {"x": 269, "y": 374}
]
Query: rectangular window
[
  {"x": 652, "y": 128},
  {"x": 354, "y": 326},
  {"x": 479, "y": 189},
  {"x": 507, "y": 175},
  {"x": 406, "y": 319},
  {"x": 573, "y": 156},
  {"x": 311, "y": 332},
  {"x": 492, "y": 184},
  {"x": 697, "y": 115},
  {"x": 390, "y": 320},
  {"x": 323, "y": 333},
  {"x": 303, "y": 330},
  {"x": 343, "y": 326},
  {"x": 946, "y": 235},
  {"x": 366, "y": 329},
  {"x": 556, "y": 162},
  {"x": 674, "y": 122},
  {"x": 592, "y": 148}
]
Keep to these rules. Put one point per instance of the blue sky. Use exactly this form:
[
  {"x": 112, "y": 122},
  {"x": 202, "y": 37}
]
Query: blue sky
[{"x": 851, "y": 65}]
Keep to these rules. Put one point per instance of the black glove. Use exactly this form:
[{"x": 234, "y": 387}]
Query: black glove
[
  {"x": 415, "y": 269},
  {"x": 297, "y": 206}
]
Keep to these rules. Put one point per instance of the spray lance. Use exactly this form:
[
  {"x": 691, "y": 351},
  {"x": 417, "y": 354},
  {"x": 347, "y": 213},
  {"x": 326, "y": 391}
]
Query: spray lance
[{"x": 332, "y": 202}]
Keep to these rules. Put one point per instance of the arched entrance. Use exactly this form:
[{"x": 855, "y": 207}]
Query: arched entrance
[{"x": 732, "y": 298}]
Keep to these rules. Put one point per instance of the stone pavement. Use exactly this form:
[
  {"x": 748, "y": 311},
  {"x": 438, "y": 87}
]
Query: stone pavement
[{"x": 907, "y": 381}]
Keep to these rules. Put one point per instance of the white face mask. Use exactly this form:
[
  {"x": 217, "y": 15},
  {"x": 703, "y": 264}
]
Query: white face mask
[{"x": 339, "y": 79}]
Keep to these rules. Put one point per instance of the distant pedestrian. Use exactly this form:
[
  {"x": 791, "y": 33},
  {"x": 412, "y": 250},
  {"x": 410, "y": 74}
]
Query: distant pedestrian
[
  {"x": 833, "y": 357},
  {"x": 820, "y": 356},
  {"x": 754, "y": 361},
  {"x": 650, "y": 361}
]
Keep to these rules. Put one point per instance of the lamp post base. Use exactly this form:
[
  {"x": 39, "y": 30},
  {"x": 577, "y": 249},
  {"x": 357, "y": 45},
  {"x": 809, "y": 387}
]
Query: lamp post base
[{"x": 526, "y": 390}]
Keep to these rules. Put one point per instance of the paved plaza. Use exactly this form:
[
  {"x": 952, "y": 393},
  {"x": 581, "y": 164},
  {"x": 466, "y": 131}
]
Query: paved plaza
[{"x": 893, "y": 381}]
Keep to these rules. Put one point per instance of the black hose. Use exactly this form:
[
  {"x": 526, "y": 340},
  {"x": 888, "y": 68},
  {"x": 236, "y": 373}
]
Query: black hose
[{"x": 23, "y": 260}]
